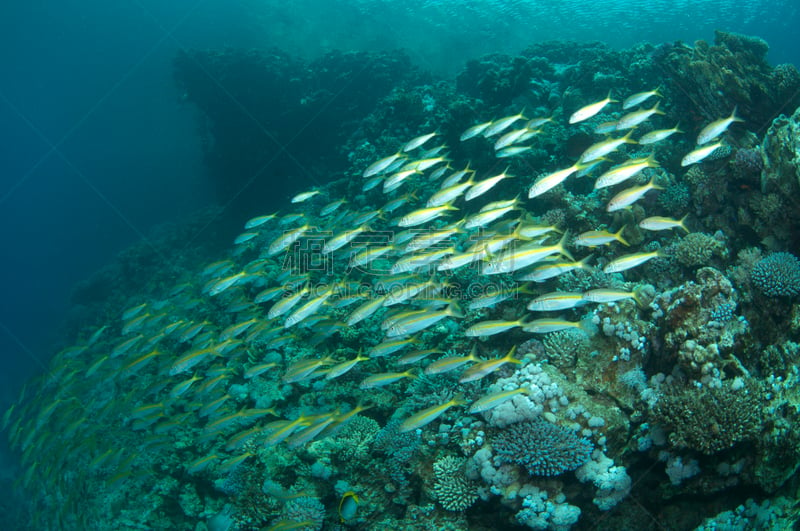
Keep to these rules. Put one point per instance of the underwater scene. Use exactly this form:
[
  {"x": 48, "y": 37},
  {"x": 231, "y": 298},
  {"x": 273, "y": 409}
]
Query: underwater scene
[{"x": 546, "y": 276}]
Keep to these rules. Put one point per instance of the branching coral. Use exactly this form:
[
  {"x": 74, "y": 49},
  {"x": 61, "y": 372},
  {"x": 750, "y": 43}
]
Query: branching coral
[
  {"x": 543, "y": 448},
  {"x": 450, "y": 486}
]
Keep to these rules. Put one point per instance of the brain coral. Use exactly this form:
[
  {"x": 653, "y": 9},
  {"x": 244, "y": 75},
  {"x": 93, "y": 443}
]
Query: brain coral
[
  {"x": 544, "y": 449},
  {"x": 777, "y": 275}
]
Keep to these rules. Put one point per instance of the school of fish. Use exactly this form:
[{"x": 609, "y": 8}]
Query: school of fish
[{"x": 173, "y": 362}]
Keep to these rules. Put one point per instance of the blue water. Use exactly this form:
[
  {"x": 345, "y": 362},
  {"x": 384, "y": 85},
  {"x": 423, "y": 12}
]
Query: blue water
[{"x": 97, "y": 146}]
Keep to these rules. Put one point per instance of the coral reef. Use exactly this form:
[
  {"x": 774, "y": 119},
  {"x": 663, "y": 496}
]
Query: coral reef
[
  {"x": 781, "y": 155},
  {"x": 340, "y": 366},
  {"x": 732, "y": 72},
  {"x": 701, "y": 345}
]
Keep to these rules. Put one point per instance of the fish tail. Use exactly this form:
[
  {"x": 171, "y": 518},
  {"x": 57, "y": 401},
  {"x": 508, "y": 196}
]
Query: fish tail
[
  {"x": 682, "y": 223},
  {"x": 454, "y": 310},
  {"x": 561, "y": 246},
  {"x": 620, "y": 238}
]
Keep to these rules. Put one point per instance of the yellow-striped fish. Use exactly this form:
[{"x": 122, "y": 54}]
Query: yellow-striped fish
[
  {"x": 550, "y": 181},
  {"x": 595, "y": 238},
  {"x": 481, "y": 219},
  {"x": 229, "y": 464},
  {"x": 449, "y": 194},
  {"x": 553, "y": 269},
  {"x": 417, "y": 321},
  {"x": 716, "y": 128},
  {"x": 661, "y": 223},
  {"x": 342, "y": 239},
  {"x": 524, "y": 256},
  {"x": 639, "y": 97},
  {"x": 413, "y": 357},
  {"x": 390, "y": 347},
  {"x": 426, "y": 416},
  {"x": 304, "y": 196},
  {"x": 309, "y": 433},
  {"x": 418, "y": 141},
  {"x": 493, "y": 400},
  {"x": 190, "y": 359},
  {"x": 484, "y": 368},
  {"x": 225, "y": 283},
  {"x": 257, "y": 370},
  {"x": 386, "y": 378},
  {"x": 474, "y": 131},
  {"x": 516, "y": 136},
  {"x": 604, "y": 147},
  {"x": 365, "y": 310},
  {"x": 450, "y": 363},
  {"x": 629, "y": 261},
  {"x": 544, "y": 326},
  {"x": 181, "y": 387},
  {"x": 501, "y": 124},
  {"x": 584, "y": 113},
  {"x": 130, "y": 313},
  {"x": 258, "y": 221},
  {"x": 201, "y": 464},
  {"x": 381, "y": 165},
  {"x": 629, "y": 196},
  {"x": 631, "y": 120},
  {"x": 284, "y": 241},
  {"x": 557, "y": 300},
  {"x": 625, "y": 171},
  {"x": 309, "y": 308},
  {"x": 657, "y": 136},
  {"x": 343, "y": 367},
  {"x": 604, "y": 295},
  {"x": 700, "y": 154},
  {"x": 490, "y": 328},
  {"x": 424, "y": 215},
  {"x": 304, "y": 369},
  {"x": 285, "y": 305}
]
